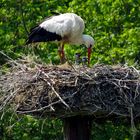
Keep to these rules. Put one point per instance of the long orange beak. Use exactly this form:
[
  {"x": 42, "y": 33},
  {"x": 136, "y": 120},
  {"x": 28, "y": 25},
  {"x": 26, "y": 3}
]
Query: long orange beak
[{"x": 89, "y": 54}]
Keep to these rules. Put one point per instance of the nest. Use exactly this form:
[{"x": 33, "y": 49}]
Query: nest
[{"x": 60, "y": 91}]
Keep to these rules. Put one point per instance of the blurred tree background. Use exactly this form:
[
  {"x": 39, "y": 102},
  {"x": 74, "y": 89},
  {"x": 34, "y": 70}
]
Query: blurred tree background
[{"x": 115, "y": 26}]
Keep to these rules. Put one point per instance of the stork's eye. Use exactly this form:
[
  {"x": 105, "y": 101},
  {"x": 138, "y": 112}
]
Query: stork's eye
[{"x": 90, "y": 46}]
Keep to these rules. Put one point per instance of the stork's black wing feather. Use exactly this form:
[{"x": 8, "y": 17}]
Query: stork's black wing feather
[{"x": 39, "y": 34}]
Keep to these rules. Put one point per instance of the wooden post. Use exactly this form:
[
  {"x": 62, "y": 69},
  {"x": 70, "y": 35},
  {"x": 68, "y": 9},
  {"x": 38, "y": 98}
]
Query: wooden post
[{"x": 77, "y": 128}]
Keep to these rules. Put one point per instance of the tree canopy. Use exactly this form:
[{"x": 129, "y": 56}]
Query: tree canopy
[{"x": 114, "y": 25}]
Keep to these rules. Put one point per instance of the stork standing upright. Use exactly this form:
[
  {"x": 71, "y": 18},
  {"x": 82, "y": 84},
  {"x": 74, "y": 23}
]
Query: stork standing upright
[{"x": 63, "y": 28}]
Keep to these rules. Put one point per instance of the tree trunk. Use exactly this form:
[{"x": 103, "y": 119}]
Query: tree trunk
[{"x": 77, "y": 128}]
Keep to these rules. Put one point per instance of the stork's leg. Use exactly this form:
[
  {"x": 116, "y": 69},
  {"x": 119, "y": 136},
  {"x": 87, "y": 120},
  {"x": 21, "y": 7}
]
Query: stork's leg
[{"x": 61, "y": 53}]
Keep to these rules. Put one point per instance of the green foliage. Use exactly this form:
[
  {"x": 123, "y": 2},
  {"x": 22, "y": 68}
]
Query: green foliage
[
  {"x": 26, "y": 128},
  {"x": 115, "y": 26},
  {"x": 110, "y": 131}
]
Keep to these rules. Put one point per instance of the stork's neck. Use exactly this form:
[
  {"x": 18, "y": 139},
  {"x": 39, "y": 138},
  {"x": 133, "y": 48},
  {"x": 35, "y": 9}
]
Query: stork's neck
[
  {"x": 80, "y": 40},
  {"x": 83, "y": 39},
  {"x": 87, "y": 40}
]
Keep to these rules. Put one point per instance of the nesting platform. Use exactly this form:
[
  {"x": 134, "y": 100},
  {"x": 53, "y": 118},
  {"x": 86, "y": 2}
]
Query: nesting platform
[{"x": 66, "y": 91}]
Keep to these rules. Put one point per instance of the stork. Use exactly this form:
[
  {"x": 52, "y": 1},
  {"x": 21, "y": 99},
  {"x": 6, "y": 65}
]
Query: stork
[{"x": 65, "y": 29}]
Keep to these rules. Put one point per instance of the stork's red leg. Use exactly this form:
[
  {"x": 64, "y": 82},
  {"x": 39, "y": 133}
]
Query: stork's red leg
[{"x": 61, "y": 53}]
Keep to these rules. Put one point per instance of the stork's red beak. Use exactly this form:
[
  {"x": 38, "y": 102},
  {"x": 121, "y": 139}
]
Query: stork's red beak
[{"x": 89, "y": 54}]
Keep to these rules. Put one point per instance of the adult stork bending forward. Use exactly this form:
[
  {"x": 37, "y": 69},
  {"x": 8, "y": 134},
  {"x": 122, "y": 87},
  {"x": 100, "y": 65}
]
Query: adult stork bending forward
[{"x": 63, "y": 28}]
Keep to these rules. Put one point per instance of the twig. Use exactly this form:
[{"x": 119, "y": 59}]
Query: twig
[
  {"x": 55, "y": 90},
  {"x": 133, "y": 128},
  {"x": 45, "y": 107},
  {"x": 6, "y": 101},
  {"x": 13, "y": 61}
]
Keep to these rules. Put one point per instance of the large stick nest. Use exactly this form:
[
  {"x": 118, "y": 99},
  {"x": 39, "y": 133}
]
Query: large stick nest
[{"x": 68, "y": 91}]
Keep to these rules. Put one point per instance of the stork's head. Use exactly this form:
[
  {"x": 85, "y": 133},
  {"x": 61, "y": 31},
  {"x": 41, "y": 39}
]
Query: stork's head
[{"x": 89, "y": 42}]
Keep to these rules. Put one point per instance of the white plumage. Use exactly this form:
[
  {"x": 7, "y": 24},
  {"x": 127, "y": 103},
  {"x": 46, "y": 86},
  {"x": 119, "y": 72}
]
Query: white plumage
[{"x": 63, "y": 28}]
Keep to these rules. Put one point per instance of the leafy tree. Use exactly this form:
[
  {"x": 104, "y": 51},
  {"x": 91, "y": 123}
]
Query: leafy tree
[{"x": 113, "y": 24}]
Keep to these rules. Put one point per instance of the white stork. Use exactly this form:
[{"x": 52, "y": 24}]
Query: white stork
[{"x": 63, "y": 28}]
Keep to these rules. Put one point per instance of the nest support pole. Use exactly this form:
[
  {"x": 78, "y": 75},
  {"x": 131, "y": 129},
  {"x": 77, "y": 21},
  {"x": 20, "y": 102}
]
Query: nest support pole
[{"x": 77, "y": 128}]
